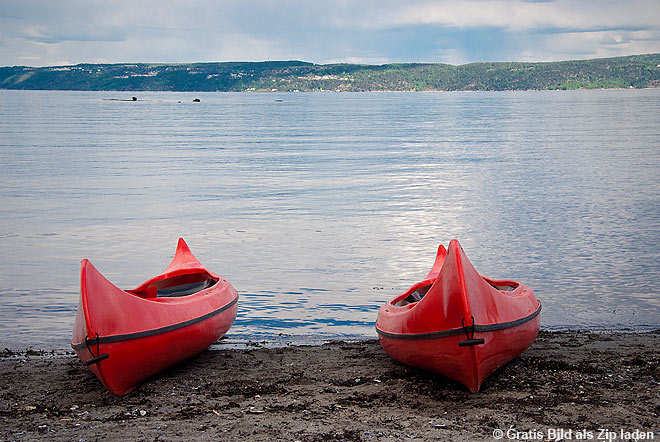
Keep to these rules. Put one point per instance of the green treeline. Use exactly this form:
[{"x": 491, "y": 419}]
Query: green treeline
[{"x": 637, "y": 71}]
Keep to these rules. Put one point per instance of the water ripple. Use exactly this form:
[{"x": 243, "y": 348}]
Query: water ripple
[{"x": 321, "y": 210}]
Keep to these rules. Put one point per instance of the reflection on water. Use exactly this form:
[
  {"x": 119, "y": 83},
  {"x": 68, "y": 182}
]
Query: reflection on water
[{"x": 320, "y": 207}]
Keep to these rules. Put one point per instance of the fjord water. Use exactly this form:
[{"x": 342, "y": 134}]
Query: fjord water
[{"x": 320, "y": 207}]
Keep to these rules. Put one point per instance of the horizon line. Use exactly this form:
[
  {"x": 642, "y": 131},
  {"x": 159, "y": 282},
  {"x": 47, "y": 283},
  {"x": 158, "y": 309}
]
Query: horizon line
[{"x": 331, "y": 64}]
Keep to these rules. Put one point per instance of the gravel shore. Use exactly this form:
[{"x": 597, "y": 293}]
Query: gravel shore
[{"x": 566, "y": 383}]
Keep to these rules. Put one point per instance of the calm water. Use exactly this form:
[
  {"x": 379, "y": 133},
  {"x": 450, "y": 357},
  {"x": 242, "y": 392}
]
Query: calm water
[{"x": 320, "y": 207}]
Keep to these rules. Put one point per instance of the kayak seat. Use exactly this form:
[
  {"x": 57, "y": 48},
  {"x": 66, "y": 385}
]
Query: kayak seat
[
  {"x": 182, "y": 285},
  {"x": 415, "y": 296},
  {"x": 505, "y": 288},
  {"x": 185, "y": 289}
]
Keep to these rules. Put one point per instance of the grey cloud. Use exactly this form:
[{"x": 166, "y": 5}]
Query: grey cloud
[{"x": 50, "y": 32}]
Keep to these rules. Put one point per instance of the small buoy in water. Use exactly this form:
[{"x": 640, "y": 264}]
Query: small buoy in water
[
  {"x": 196, "y": 100},
  {"x": 134, "y": 98}
]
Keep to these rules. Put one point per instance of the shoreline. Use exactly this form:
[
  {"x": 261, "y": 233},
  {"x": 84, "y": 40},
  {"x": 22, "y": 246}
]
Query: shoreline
[
  {"x": 577, "y": 381},
  {"x": 232, "y": 342},
  {"x": 329, "y": 91}
]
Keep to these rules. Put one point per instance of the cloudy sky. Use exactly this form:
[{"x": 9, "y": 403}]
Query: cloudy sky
[{"x": 60, "y": 32}]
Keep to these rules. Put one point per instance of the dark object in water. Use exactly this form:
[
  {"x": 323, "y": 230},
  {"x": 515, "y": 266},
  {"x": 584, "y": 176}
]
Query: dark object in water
[
  {"x": 196, "y": 100},
  {"x": 120, "y": 99}
]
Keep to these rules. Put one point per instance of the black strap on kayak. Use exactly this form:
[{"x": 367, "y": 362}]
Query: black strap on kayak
[
  {"x": 460, "y": 330},
  {"x": 470, "y": 337},
  {"x": 146, "y": 333},
  {"x": 98, "y": 358}
]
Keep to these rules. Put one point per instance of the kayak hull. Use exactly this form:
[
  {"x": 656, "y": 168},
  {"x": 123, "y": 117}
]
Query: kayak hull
[
  {"x": 465, "y": 326},
  {"x": 124, "y": 337}
]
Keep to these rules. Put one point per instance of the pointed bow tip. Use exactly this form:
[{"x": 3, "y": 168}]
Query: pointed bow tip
[
  {"x": 454, "y": 244},
  {"x": 441, "y": 250},
  {"x": 455, "y": 248},
  {"x": 182, "y": 244},
  {"x": 86, "y": 264},
  {"x": 183, "y": 258},
  {"x": 182, "y": 249}
]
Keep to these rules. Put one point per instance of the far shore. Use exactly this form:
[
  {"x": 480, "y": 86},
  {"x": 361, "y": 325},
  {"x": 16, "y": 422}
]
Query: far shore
[{"x": 327, "y": 91}]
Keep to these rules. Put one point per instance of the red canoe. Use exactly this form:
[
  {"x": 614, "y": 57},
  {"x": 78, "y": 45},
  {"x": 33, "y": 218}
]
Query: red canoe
[
  {"x": 458, "y": 323},
  {"x": 125, "y": 336}
]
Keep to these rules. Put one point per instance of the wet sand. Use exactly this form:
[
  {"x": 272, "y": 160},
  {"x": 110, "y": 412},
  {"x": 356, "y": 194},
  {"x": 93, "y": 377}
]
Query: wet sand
[{"x": 341, "y": 391}]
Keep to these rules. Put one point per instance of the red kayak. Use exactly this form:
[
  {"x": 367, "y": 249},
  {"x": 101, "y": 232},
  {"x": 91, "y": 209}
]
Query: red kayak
[
  {"x": 458, "y": 323},
  {"x": 125, "y": 336}
]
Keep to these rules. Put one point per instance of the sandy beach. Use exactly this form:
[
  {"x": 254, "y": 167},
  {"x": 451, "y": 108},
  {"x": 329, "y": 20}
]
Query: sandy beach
[{"x": 567, "y": 386}]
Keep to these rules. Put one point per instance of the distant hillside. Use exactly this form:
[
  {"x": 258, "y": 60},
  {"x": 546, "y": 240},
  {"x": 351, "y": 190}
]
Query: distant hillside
[{"x": 637, "y": 71}]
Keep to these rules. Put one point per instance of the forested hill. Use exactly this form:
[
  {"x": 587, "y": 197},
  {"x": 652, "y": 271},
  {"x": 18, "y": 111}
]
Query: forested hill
[{"x": 638, "y": 71}]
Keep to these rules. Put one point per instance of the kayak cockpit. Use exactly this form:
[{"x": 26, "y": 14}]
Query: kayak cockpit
[
  {"x": 185, "y": 289},
  {"x": 414, "y": 296},
  {"x": 176, "y": 286},
  {"x": 418, "y": 291},
  {"x": 503, "y": 286}
]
